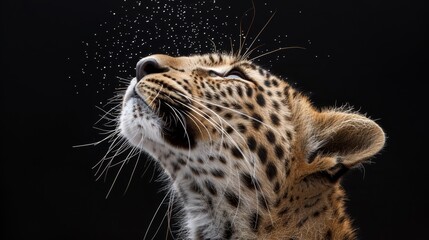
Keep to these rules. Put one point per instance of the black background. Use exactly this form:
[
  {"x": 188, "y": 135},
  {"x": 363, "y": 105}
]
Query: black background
[{"x": 377, "y": 63}]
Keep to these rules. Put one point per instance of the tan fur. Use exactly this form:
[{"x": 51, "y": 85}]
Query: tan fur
[{"x": 301, "y": 193}]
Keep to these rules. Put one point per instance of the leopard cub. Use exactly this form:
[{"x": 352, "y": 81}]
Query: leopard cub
[{"x": 247, "y": 154}]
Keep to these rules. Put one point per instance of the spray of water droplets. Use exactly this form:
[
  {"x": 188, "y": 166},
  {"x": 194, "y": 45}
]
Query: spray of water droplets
[{"x": 139, "y": 28}]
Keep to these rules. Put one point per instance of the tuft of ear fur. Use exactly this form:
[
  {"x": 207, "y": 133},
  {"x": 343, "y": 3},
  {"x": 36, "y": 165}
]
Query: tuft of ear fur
[
  {"x": 350, "y": 137},
  {"x": 335, "y": 141}
]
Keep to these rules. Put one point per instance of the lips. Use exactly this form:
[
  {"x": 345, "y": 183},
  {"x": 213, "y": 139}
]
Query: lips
[{"x": 134, "y": 94}]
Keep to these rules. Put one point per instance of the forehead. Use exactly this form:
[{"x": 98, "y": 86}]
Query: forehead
[
  {"x": 212, "y": 60},
  {"x": 220, "y": 62}
]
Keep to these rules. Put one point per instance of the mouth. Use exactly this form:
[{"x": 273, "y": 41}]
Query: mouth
[
  {"x": 174, "y": 123},
  {"x": 176, "y": 129}
]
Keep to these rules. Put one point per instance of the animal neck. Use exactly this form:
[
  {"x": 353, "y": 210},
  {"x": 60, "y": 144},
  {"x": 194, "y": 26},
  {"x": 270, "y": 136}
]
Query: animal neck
[{"x": 221, "y": 212}]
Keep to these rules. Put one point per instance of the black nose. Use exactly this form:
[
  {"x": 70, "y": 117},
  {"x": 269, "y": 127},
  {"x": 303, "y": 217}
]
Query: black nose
[{"x": 148, "y": 66}]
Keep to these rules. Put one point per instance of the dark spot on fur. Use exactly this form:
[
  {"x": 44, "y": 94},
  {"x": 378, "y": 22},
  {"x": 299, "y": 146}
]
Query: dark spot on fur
[
  {"x": 270, "y": 136},
  {"x": 289, "y": 135},
  {"x": 232, "y": 198},
  {"x": 284, "y": 210},
  {"x": 249, "y": 181},
  {"x": 316, "y": 214},
  {"x": 277, "y": 187},
  {"x": 241, "y": 128},
  {"x": 249, "y": 91},
  {"x": 255, "y": 220},
  {"x": 271, "y": 171},
  {"x": 279, "y": 151},
  {"x": 276, "y": 105},
  {"x": 222, "y": 160},
  {"x": 229, "y": 89},
  {"x": 176, "y": 167},
  {"x": 263, "y": 202},
  {"x": 211, "y": 187},
  {"x": 181, "y": 161},
  {"x": 275, "y": 119},
  {"x": 236, "y": 152},
  {"x": 195, "y": 188},
  {"x": 285, "y": 195},
  {"x": 195, "y": 171},
  {"x": 251, "y": 143},
  {"x": 262, "y": 154},
  {"x": 260, "y": 100},
  {"x": 328, "y": 235},
  {"x": 275, "y": 83},
  {"x": 257, "y": 121},
  {"x": 267, "y": 83},
  {"x": 218, "y": 173},
  {"x": 239, "y": 91},
  {"x": 228, "y": 230},
  {"x": 236, "y": 106},
  {"x": 250, "y": 106},
  {"x": 216, "y": 96}
]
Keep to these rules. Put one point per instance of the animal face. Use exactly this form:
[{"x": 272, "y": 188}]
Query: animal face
[{"x": 231, "y": 136}]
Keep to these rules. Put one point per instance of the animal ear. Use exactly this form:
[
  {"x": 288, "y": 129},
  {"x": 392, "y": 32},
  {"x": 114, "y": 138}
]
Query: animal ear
[{"x": 343, "y": 140}]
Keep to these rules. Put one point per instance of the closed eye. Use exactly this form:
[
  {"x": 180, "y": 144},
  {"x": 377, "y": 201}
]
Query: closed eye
[{"x": 235, "y": 74}]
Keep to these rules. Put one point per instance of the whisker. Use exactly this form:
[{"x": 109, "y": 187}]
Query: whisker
[
  {"x": 153, "y": 218},
  {"x": 183, "y": 123},
  {"x": 93, "y": 143},
  {"x": 113, "y": 144},
  {"x": 214, "y": 44},
  {"x": 248, "y": 30},
  {"x": 223, "y": 131},
  {"x": 134, "y": 169},
  {"x": 232, "y": 47},
  {"x": 244, "y": 57},
  {"x": 276, "y": 50},
  {"x": 236, "y": 111},
  {"x": 114, "y": 181},
  {"x": 257, "y": 36},
  {"x": 207, "y": 130}
]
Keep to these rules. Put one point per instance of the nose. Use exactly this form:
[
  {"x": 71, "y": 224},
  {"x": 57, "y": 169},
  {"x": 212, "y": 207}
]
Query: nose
[{"x": 148, "y": 66}]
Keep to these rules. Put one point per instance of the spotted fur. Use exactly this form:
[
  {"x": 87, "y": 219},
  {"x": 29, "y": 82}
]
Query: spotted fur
[{"x": 248, "y": 155}]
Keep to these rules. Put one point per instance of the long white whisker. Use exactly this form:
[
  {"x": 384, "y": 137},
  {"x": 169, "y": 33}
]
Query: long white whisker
[
  {"x": 94, "y": 143},
  {"x": 214, "y": 44},
  {"x": 235, "y": 111},
  {"x": 182, "y": 121},
  {"x": 257, "y": 36},
  {"x": 132, "y": 173},
  {"x": 248, "y": 30},
  {"x": 276, "y": 50},
  {"x": 153, "y": 218},
  {"x": 222, "y": 130}
]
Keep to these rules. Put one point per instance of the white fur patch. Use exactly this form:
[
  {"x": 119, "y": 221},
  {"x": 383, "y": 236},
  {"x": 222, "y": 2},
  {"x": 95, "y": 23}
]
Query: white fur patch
[{"x": 138, "y": 122}]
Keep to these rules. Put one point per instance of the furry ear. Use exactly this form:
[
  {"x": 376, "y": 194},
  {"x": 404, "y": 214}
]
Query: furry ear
[{"x": 343, "y": 140}]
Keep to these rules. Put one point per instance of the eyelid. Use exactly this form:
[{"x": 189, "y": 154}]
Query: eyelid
[
  {"x": 214, "y": 73},
  {"x": 236, "y": 71}
]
